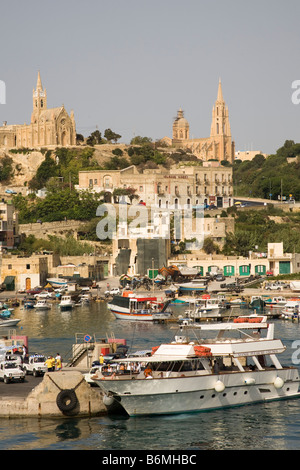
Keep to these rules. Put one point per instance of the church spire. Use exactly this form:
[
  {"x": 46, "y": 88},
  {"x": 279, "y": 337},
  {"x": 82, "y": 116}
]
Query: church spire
[
  {"x": 220, "y": 98},
  {"x": 39, "y": 82}
]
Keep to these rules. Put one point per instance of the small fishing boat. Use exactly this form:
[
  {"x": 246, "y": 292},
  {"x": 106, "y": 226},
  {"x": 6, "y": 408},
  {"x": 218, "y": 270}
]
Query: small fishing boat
[
  {"x": 57, "y": 282},
  {"x": 28, "y": 304},
  {"x": 291, "y": 310},
  {"x": 257, "y": 302},
  {"x": 66, "y": 303},
  {"x": 238, "y": 302},
  {"x": 194, "y": 286},
  {"x": 205, "y": 307},
  {"x": 6, "y": 313},
  {"x": 8, "y": 322},
  {"x": 275, "y": 302},
  {"x": 42, "y": 304}
]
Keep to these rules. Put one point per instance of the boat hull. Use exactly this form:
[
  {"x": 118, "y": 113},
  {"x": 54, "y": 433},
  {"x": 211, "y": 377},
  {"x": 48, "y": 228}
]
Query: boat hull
[
  {"x": 6, "y": 323},
  {"x": 125, "y": 315},
  {"x": 194, "y": 394},
  {"x": 57, "y": 282}
]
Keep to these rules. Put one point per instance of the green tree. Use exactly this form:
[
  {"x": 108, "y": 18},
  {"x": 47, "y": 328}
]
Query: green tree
[
  {"x": 95, "y": 138},
  {"x": 111, "y": 136}
]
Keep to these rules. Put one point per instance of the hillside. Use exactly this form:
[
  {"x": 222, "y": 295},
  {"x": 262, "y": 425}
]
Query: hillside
[{"x": 272, "y": 177}]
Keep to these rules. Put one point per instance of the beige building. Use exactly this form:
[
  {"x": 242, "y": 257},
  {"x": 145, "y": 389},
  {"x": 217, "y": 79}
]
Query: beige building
[
  {"x": 248, "y": 154},
  {"x": 174, "y": 188},
  {"x": 219, "y": 145},
  {"x": 24, "y": 272},
  {"x": 274, "y": 260},
  {"x": 48, "y": 126}
]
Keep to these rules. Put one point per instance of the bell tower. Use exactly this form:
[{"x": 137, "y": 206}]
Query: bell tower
[
  {"x": 39, "y": 99},
  {"x": 220, "y": 133}
]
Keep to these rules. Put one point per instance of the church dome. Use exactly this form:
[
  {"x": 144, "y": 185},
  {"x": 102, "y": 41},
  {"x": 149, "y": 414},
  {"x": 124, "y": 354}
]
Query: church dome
[{"x": 180, "y": 121}]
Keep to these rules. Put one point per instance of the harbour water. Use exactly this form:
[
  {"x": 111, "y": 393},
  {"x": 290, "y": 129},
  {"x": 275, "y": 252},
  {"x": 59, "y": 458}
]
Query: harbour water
[{"x": 271, "y": 426}]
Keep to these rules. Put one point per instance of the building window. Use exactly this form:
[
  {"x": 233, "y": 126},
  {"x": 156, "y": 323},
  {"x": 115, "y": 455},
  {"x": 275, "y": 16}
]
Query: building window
[
  {"x": 9, "y": 266},
  {"x": 141, "y": 188},
  {"x": 27, "y": 266}
]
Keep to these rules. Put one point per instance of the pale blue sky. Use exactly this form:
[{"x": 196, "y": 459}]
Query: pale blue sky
[{"x": 129, "y": 65}]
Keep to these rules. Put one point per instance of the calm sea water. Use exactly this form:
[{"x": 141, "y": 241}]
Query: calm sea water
[{"x": 272, "y": 426}]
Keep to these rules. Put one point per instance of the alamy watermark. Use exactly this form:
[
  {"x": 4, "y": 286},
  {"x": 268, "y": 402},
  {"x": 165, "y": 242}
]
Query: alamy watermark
[
  {"x": 2, "y": 92},
  {"x": 296, "y": 93},
  {"x": 139, "y": 221}
]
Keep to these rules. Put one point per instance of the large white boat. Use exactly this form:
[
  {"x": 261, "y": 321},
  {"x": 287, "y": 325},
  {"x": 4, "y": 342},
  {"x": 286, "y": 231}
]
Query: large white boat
[
  {"x": 238, "y": 366},
  {"x": 133, "y": 307},
  {"x": 66, "y": 303}
]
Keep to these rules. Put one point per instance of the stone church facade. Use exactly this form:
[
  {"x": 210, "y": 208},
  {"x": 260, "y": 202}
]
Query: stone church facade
[
  {"x": 48, "y": 126},
  {"x": 218, "y": 146}
]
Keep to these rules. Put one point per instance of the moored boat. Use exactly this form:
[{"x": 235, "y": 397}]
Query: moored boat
[
  {"x": 238, "y": 366},
  {"x": 275, "y": 302},
  {"x": 132, "y": 307},
  {"x": 8, "y": 322},
  {"x": 205, "y": 307},
  {"x": 66, "y": 303},
  {"x": 42, "y": 304},
  {"x": 291, "y": 310}
]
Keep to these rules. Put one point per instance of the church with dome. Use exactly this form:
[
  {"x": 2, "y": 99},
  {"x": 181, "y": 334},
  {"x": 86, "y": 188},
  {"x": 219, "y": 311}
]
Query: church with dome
[
  {"x": 219, "y": 146},
  {"x": 48, "y": 126}
]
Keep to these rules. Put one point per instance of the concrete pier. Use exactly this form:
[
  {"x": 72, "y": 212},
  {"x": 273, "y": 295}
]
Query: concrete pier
[{"x": 59, "y": 394}]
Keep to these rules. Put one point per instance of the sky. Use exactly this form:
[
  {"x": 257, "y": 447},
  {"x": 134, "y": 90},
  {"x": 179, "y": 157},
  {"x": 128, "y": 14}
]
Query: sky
[{"x": 130, "y": 65}]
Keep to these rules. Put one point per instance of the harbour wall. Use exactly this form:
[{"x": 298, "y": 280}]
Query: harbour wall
[{"x": 60, "y": 394}]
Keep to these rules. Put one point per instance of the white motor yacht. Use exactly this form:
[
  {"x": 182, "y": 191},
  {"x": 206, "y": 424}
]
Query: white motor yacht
[{"x": 238, "y": 366}]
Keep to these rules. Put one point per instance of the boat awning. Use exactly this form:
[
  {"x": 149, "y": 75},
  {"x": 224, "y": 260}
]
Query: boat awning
[{"x": 143, "y": 299}]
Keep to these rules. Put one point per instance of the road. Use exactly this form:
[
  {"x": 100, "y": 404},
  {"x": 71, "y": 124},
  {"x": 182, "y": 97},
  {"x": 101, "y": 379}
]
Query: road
[{"x": 18, "y": 389}]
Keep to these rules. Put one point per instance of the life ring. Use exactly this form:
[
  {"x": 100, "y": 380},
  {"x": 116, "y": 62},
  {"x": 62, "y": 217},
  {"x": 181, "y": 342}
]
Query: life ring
[{"x": 66, "y": 400}]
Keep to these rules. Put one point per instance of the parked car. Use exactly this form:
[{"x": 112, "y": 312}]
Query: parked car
[
  {"x": 113, "y": 291},
  {"x": 35, "y": 364},
  {"x": 270, "y": 273},
  {"x": 273, "y": 287},
  {"x": 45, "y": 295},
  {"x": 219, "y": 278},
  {"x": 212, "y": 207},
  {"x": 10, "y": 370},
  {"x": 10, "y": 191},
  {"x": 35, "y": 290}
]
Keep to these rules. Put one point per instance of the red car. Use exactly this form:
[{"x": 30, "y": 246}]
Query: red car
[
  {"x": 35, "y": 290},
  {"x": 269, "y": 273}
]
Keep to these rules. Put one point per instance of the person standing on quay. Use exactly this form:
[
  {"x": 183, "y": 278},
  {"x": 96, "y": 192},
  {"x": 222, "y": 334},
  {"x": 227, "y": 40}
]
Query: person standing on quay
[{"x": 58, "y": 362}]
